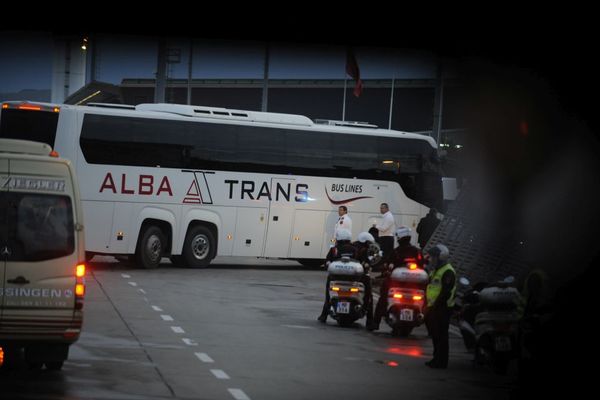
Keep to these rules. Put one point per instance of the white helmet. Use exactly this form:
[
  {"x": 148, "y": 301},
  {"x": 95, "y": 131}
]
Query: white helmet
[
  {"x": 403, "y": 231},
  {"x": 440, "y": 251},
  {"x": 343, "y": 234},
  {"x": 365, "y": 237}
]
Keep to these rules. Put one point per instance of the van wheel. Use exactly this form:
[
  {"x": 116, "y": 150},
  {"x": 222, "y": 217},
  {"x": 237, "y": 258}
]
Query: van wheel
[
  {"x": 54, "y": 365},
  {"x": 199, "y": 247},
  {"x": 150, "y": 247}
]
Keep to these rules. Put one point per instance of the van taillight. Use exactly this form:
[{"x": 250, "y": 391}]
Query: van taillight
[
  {"x": 80, "y": 270},
  {"x": 79, "y": 285}
]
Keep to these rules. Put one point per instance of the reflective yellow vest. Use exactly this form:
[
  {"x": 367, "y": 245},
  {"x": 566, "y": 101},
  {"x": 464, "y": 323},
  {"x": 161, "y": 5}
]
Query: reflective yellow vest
[{"x": 435, "y": 286}]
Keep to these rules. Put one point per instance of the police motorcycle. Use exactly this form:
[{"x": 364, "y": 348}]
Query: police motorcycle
[
  {"x": 346, "y": 287},
  {"x": 406, "y": 297},
  {"x": 489, "y": 320}
]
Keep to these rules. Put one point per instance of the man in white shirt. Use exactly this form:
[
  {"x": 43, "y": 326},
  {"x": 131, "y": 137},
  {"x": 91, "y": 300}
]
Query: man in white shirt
[
  {"x": 386, "y": 229},
  {"x": 344, "y": 221}
]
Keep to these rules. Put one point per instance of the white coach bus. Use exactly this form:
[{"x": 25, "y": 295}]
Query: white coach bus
[{"x": 192, "y": 183}]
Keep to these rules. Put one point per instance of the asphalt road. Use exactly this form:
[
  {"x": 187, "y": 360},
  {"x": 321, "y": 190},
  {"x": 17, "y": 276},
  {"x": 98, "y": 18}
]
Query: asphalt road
[{"x": 240, "y": 329}]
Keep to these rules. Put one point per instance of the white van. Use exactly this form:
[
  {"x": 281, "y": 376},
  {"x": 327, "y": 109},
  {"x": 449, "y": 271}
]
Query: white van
[{"x": 41, "y": 254}]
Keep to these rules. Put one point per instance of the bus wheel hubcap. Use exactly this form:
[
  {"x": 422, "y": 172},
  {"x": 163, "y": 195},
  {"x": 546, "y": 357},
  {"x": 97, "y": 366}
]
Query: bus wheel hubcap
[
  {"x": 200, "y": 247},
  {"x": 154, "y": 248}
]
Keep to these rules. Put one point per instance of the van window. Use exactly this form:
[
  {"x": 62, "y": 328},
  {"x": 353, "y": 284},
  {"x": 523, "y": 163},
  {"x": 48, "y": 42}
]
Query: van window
[
  {"x": 39, "y": 126},
  {"x": 36, "y": 227}
]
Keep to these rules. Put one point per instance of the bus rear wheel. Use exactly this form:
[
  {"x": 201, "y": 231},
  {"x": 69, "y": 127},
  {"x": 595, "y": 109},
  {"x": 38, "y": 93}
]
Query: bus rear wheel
[
  {"x": 151, "y": 247},
  {"x": 199, "y": 247}
]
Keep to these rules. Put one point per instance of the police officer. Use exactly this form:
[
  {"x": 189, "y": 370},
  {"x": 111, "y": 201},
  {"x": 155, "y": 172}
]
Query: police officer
[
  {"x": 343, "y": 248},
  {"x": 440, "y": 300},
  {"x": 344, "y": 221},
  {"x": 403, "y": 253}
]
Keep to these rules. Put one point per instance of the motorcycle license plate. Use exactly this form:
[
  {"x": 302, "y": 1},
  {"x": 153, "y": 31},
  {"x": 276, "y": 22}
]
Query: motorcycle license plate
[
  {"x": 343, "y": 307},
  {"x": 406, "y": 314},
  {"x": 502, "y": 343}
]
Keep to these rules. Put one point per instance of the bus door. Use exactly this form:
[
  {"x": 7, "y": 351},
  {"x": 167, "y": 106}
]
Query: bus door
[{"x": 281, "y": 213}]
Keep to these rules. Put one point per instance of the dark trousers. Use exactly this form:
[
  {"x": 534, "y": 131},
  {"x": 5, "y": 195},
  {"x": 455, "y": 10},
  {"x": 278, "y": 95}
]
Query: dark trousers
[
  {"x": 439, "y": 323},
  {"x": 387, "y": 246},
  {"x": 367, "y": 300},
  {"x": 382, "y": 303}
]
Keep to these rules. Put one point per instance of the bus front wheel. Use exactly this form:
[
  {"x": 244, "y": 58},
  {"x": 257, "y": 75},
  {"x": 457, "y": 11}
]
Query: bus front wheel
[
  {"x": 199, "y": 247},
  {"x": 151, "y": 247}
]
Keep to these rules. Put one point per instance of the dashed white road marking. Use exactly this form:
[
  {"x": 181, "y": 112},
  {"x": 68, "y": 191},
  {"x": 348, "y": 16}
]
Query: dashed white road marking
[
  {"x": 126, "y": 276},
  {"x": 166, "y": 317},
  {"x": 204, "y": 357},
  {"x": 238, "y": 394},
  {"x": 177, "y": 329},
  {"x": 132, "y": 283},
  {"x": 157, "y": 308},
  {"x": 142, "y": 291},
  {"x": 298, "y": 326},
  {"x": 219, "y": 374},
  {"x": 189, "y": 342}
]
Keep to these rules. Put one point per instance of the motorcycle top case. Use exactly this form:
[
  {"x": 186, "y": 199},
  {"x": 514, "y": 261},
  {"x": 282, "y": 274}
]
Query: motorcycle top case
[
  {"x": 410, "y": 275},
  {"x": 345, "y": 267},
  {"x": 499, "y": 296}
]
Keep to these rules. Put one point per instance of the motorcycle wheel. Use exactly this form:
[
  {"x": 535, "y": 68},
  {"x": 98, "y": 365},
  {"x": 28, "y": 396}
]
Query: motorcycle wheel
[
  {"x": 345, "y": 320},
  {"x": 500, "y": 364}
]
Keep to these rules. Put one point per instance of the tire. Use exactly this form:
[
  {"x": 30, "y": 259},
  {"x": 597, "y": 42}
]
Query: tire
[
  {"x": 54, "y": 365},
  {"x": 345, "y": 320},
  {"x": 199, "y": 247},
  {"x": 500, "y": 364},
  {"x": 404, "y": 331},
  {"x": 150, "y": 247}
]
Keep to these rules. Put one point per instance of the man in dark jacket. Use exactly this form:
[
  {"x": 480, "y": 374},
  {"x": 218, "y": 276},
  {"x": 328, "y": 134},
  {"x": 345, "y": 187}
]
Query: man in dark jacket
[{"x": 427, "y": 226}]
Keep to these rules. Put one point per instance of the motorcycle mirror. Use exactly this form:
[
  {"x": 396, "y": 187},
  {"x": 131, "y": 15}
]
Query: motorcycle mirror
[
  {"x": 509, "y": 279},
  {"x": 464, "y": 281}
]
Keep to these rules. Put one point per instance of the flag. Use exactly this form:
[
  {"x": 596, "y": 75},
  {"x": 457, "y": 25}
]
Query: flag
[{"x": 353, "y": 71}]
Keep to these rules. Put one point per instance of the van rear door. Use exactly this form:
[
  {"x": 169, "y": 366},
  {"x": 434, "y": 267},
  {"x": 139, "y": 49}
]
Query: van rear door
[{"x": 39, "y": 276}]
